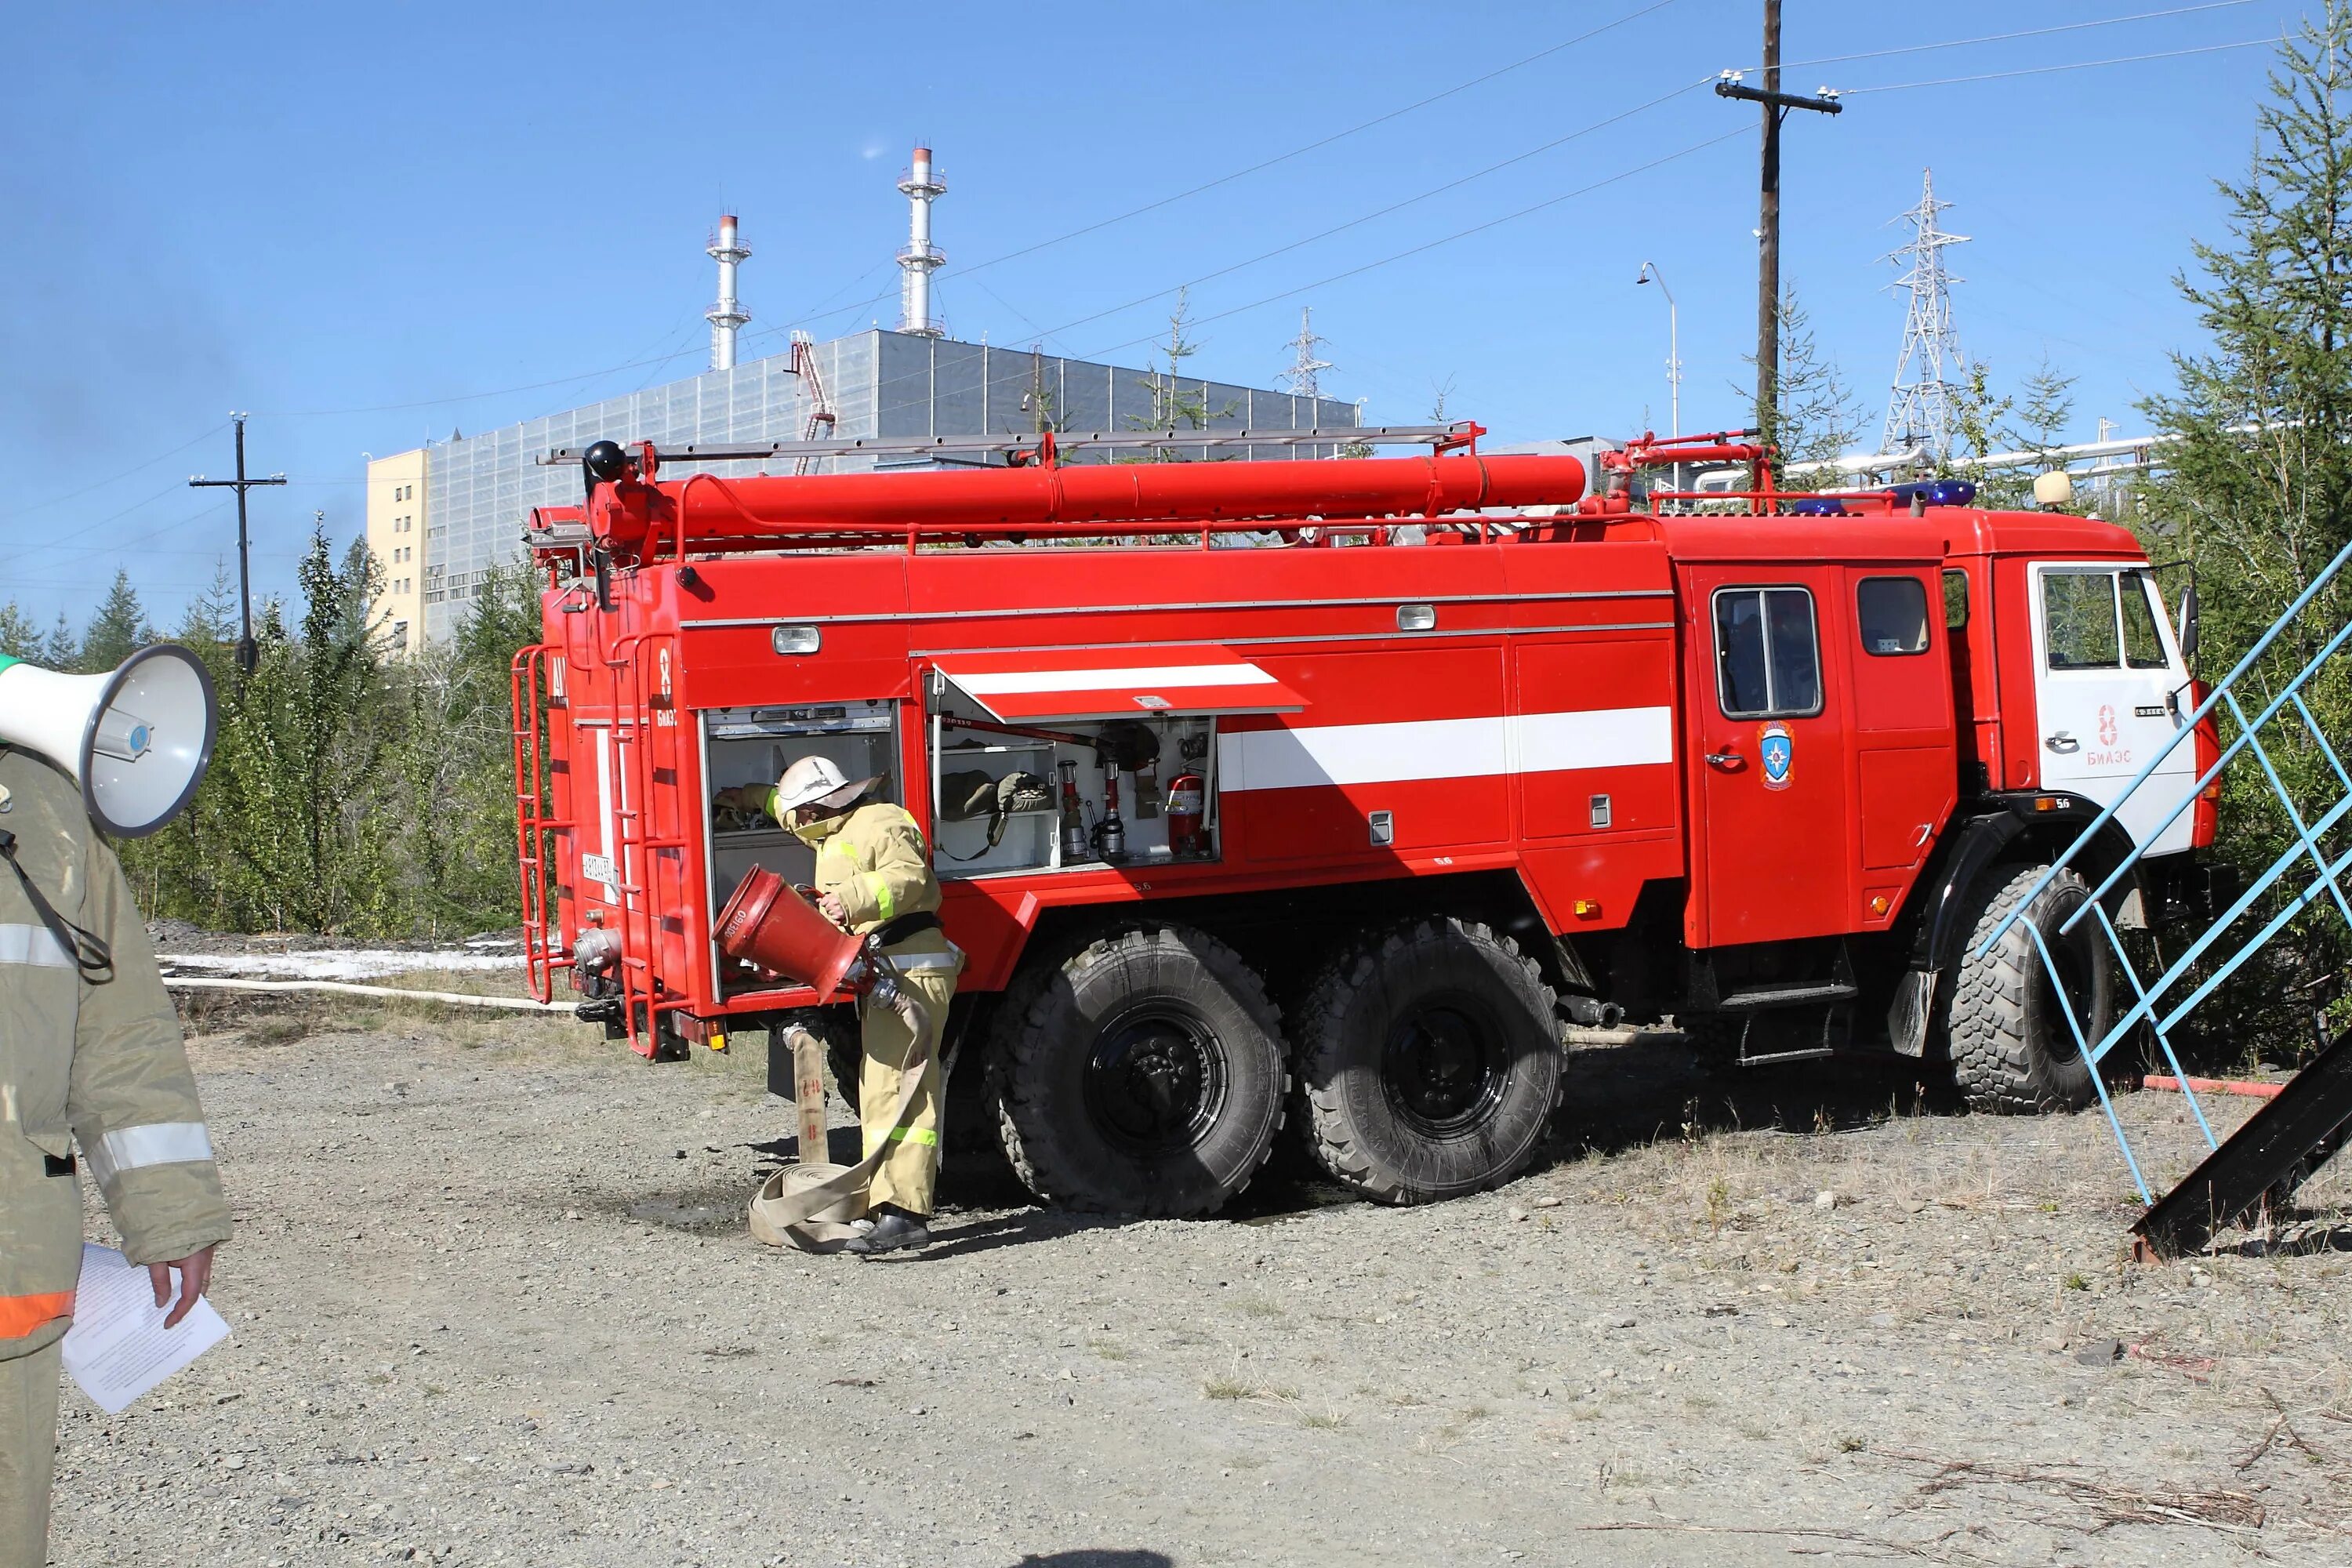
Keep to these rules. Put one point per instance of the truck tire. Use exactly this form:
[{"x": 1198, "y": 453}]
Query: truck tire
[
  {"x": 1429, "y": 1062},
  {"x": 1143, "y": 1075},
  {"x": 2013, "y": 1051}
]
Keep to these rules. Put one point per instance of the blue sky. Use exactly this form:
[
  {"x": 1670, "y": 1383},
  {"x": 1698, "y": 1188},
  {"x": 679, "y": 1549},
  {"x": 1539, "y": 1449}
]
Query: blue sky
[{"x": 369, "y": 225}]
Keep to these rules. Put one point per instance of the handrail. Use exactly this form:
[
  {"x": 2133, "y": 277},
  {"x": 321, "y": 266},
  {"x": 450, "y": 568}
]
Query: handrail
[
  {"x": 2185, "y": 731},
  {"x": 2155, "y": 1003}
]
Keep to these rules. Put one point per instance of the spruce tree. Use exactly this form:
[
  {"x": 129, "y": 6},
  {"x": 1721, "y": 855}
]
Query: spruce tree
[
  {"x": 118, "y": 628},
  {"x": 19, "y": 638},
  {"x": 2258, "y": 488},
  {"x": 62, "y": 650}
]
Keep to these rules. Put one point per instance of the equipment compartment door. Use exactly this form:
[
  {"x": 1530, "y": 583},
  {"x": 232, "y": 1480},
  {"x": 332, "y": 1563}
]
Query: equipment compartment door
[{"x": 1768, "y": 764}]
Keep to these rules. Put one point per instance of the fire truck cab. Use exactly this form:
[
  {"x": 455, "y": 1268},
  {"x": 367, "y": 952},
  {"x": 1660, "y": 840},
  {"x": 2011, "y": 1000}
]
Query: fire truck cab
[{"x": 1330, "y": 792}]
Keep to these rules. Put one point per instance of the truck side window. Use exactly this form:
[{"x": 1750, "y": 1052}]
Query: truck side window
[
  {"x": 1894, "y": 615},
  {"x": 1955, "y": 599},
  {"x": 1768, "y": 660},
  {"x": 2143, "y": 645},
  {"x": 2078, "y": 620}
]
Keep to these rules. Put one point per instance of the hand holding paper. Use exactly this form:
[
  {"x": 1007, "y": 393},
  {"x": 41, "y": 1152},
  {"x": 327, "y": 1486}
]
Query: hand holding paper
[
  {"x": 195, "y": 1279},
  {"x": 122, "y": 1342}
]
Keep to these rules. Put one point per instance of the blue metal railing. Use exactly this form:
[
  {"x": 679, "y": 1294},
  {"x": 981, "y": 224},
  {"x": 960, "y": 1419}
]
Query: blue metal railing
[{"x": 2155, "y": 1002}]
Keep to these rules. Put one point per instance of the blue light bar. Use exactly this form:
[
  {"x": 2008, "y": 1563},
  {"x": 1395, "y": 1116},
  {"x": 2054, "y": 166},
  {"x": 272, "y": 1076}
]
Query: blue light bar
[
  {"x": 1935, "y": 492},
  {"x": 1818, "y": 506}
]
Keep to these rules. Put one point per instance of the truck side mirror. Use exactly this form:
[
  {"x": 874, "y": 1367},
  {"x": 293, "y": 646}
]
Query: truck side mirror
[{"x": 2189, "y": 625}]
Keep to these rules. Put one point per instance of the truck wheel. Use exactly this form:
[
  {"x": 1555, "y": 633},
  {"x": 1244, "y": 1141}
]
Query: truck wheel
[
  {"x": 1144, "y": 1075},
  {"x": 1430, "y": 1059},
  {"x": 2013, "y": 1050}
]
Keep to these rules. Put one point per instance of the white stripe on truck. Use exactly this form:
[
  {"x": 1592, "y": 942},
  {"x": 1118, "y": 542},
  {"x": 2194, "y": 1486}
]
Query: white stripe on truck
[{"x": 1333, "y": 755}]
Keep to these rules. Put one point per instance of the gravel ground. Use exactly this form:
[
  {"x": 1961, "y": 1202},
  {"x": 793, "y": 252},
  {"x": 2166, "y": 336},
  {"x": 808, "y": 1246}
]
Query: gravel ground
[{"x": 493, "y": 1302}]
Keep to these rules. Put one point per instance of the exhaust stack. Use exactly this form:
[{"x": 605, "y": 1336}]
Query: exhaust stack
[{"x": 728, "y": 316}]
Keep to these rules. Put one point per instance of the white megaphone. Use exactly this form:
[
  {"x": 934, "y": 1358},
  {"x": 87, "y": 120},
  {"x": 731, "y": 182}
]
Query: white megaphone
[{"x": 137, "y": 741}]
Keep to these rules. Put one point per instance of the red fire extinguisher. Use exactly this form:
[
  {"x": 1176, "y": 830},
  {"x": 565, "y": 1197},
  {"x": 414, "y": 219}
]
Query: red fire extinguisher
[{"x": 1186, "y": 796}]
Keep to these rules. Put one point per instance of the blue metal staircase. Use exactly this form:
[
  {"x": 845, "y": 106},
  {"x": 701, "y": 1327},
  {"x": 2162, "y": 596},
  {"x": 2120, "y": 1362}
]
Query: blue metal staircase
[{"x": 2292, "y": 1133}]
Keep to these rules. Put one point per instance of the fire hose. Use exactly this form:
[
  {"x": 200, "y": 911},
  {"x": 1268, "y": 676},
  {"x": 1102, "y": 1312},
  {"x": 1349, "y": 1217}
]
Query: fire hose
[{"x": 809, "y": 1205}]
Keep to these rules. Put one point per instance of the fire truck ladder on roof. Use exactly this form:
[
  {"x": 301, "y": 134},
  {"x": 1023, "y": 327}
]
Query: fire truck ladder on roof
[
  {"x": 1047, "y": 444},
  {"x": 2292, "y": 1133}
]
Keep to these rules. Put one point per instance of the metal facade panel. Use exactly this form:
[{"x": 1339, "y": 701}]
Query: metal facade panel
[{"x": 480, "y": 488}]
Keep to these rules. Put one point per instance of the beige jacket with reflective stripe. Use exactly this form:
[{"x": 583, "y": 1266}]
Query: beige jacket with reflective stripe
[
  {"x": 877, "y": 864},
  {"x": 98, "y": 1063}
]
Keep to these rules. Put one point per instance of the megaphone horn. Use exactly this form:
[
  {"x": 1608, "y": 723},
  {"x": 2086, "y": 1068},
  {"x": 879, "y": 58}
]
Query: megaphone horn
[{"x": 137, "y": 741}]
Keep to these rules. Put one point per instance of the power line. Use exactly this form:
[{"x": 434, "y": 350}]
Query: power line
[
  {"x": 806, "y": 319},
  {"x": 1391, "y": 207},
  {"x": 63, "y": 543},
  {"x": 2046, "y": 70},
  {"x": 1025, "y": 250},
  {"x": 1320, "y": 142},
  {"x": 88, "y": 549},
  {"x": 2006, "y": 38},
  {"x": 1446, "y": 239},
  {"x": 141, "y": 467}
]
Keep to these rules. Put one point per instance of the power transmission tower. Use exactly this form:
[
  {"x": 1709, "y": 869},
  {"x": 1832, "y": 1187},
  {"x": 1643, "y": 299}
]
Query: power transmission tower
[
  {"x": 245, "y": 654},
  {"x": 1305, "y": 369},
  {"x": 1921, "y": 412},
  {"x": 1777, "y": 105}
]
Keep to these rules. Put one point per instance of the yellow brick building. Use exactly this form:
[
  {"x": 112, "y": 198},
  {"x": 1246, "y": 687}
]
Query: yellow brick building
[{"x": 397, "y": 499}]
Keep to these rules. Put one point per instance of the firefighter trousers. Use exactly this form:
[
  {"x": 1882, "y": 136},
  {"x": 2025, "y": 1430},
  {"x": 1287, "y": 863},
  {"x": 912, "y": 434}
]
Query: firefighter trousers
[
  {"x": 911, "y": 1170},
  {"x": 29, "y": 1454}
]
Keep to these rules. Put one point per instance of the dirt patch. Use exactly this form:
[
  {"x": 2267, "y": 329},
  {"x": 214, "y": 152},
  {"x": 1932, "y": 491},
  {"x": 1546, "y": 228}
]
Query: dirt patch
[{"x": 493, "y": 1304}]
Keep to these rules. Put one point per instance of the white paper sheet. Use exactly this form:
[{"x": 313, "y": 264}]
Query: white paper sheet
[{"x": 118, "y": 1348}]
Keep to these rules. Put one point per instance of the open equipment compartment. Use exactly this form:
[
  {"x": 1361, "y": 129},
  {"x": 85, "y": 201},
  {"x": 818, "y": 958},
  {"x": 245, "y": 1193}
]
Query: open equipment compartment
[
  {"x": 1137, "y": 725},
  {"x": 750, "y": 747}
]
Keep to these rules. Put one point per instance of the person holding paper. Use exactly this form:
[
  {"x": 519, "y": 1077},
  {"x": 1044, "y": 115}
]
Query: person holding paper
[{"x": 90, "y": 1053}]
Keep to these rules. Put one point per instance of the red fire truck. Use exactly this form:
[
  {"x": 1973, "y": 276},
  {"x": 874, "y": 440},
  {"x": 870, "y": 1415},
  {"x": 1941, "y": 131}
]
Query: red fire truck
[{"x": 1329, "y": 792}]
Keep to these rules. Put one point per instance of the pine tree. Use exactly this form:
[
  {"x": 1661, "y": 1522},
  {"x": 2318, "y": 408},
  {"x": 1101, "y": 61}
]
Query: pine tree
[
  {"x": 62, "y": 650},
  {"x": 2258, "y": 491},
  {"x": 1817, "y": 417},
  {"x": 118, "y": 628},
  {"x": 210, "y": 620},
  {"x": 19, "y": 638},
  {"x": 1174, "y": 405}
]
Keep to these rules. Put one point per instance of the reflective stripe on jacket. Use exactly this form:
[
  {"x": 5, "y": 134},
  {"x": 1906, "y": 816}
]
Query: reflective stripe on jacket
[{"x": 99, "y": 1063}]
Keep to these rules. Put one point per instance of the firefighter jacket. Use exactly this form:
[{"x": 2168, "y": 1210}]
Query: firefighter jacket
[
  {"x": 85, "y": 1058},
  {"x": 873, "y": 859}
]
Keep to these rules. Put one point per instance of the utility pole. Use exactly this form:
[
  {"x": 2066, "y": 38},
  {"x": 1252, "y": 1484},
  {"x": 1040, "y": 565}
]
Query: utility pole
[
  {"x": 246, "y": 654},
  {"x": 1777, "y": 105},
  {"x": 1650, "y": 274}
]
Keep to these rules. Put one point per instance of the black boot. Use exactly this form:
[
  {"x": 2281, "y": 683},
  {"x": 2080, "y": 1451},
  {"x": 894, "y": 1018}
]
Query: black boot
[{"x": 894, "y": 1228}]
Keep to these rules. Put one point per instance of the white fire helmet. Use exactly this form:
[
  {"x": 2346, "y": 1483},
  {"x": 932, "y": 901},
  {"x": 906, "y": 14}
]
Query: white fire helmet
[{"x": 817, "y": 781}]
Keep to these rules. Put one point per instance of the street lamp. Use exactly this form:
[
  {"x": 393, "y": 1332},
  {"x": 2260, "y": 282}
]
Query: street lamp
[{"x": 1649, "y": 274}]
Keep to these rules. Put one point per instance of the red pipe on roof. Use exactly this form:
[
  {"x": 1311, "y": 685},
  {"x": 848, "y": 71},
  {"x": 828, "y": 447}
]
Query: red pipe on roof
[{"x": 1068, "y": 498}]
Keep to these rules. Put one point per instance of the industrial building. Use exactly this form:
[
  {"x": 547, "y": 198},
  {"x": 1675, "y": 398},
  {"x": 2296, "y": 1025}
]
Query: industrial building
[{"x": 440, "y": 518}]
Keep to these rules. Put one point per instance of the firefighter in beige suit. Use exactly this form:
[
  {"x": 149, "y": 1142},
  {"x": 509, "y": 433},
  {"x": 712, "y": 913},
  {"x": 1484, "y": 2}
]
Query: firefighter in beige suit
[
  {"x": 89, "y": 1054},
  {"x": 874, "y": 876}
]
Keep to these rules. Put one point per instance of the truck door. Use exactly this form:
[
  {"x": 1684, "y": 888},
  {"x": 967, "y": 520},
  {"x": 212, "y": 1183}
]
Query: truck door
[
  {"x": 1768, "y": 764},
  {"x": 2106, "y": 678},
  {"x": 1906, "y": 766}
]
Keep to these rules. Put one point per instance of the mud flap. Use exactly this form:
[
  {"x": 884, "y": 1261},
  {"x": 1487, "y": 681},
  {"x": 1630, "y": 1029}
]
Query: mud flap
[{"x": 1908, "y": 1017}]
